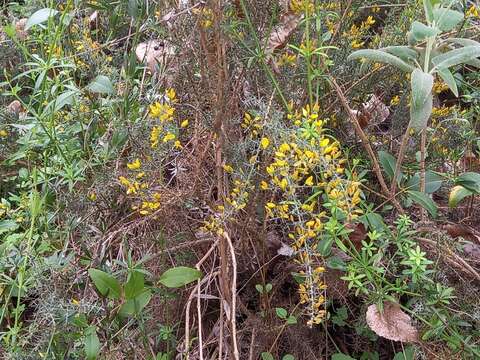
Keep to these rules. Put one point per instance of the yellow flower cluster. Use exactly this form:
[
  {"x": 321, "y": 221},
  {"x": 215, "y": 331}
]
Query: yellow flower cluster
[
  {"x": 206, "y": 16},
  {"x": 438, "y": 112},
  {"x": 357, "y": 32},
  {"x": 287, "y": 59},
  {"x": 164, "y": 111},
  {"x": 472, "y": 12},
  {"x": 311, "y": 293},
  {"x": 302, "y": 6},
  {"x": 238, "y": 197},
  {"x": 310, "y": 162},
  {"x": 252, "y": 125},
  {"x": 439, "y": 87}
]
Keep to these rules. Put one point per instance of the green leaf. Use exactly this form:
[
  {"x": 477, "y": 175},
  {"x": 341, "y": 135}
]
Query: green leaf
[
  {"x": 421, "y": 31},
  {"x": 267, "y": 356},
  {"x": 133, "y": 8},
  {"x": 136, "y": 305},
  {"x": 403, "y": 52},
  {"x": 447, "y": 76},
  {"x": 291, "y": 320},
  {"x": 101, "y": 85},
  {"x": 457, "y": 194},
  {"x": 340, "y": 356},
  {"x": 405, "y": 355},
  {"x": 470, "y": 181},
  {"x": 381, "y": 56},
  {"x": 92, "y": 343},
  {"x": 424, "y": 201},
  {"x": 447, "y": 19},
  {"x": 427, "y": 6},
  {"x": 456, "y": 57},
  {"x": 336, "y": 263},
  {"x": 422, "y": 99},
  {"x": 39, "y": 17},
  {"x": 281, "y": 313},
  {"x": 288, "y": 357},
  {"x": 8, "y": 226},
  {"x": 389, "y": 163},
  {"x": 135, "y": 285},
  {"x": 105, "y": 283},
  {"x": 433, "y": 182},
  {"x": 179, "y": 276},
  {"x": 324, "y": 247}
]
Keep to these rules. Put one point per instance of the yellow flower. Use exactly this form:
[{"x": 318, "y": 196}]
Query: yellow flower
[
  {"x": 472, "y": 12},
  {"x": 184, "y": 124},
  {"x": 3, "y": 133},
  {"x": 228, "y": 168},
  {"x": 171, "y": 94},
  {"x": 264, "y": 185},
  {"x": 178, "y": 144},
  {"x": 92, "y": 196},
  {"x": 154, "y": 135},
  {"x": 169, "y": 137},
  {"x": 395, "y": 100},
  {"x": 135, "y": 165},
  {"x": 309, "y": 181},
  {"x": 264, "y": 142}
]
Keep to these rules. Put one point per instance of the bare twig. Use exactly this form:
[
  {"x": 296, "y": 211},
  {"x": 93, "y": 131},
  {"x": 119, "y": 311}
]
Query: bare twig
[{"x": 367, "y": 146}]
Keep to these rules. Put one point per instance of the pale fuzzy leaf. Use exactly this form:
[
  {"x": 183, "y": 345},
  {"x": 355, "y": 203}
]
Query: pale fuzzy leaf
[
  {"x": 403, "y": 52},
  {"x": 447, "y": 19},
  {"x": 457, "y": 56},
  {"x": 281, "y": 32},
  {"x": 39, "y": 17},
  {"x": 421, "y": 31},
  {"x": 447, "y": 76},
  {"x": 422, "y": 99},
  {"x": 392, "y": 324},
  {"x": 381, "y": 56}
]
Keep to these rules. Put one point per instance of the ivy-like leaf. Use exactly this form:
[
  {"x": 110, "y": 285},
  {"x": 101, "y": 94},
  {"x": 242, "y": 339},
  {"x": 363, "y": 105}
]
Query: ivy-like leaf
[{"x": 179, "y": 276}]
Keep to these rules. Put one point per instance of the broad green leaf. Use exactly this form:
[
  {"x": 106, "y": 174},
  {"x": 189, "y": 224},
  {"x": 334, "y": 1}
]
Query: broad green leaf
[
  {"x": 136, "y": 305},
  {"x": 424, "y": 201},
  {"x": 422, "y": 99},
  {"x": 133, "y": 8},
  {"x": 336, "y": 263},
  {"x": 39, "y": 17},
  {"x": 421, "y": 31},
  {"x": 8, "y": 225},
  {"x": 92, "y": 343},
  {"x": 466, "y": 42},
  {"x": 267, "y": 356},
  {"x": 101, "y": 85},
  {"x": 405, "y": 355},
  {"x": 381, "y": 56},
  {"x": 446, "y": 19},
  {"x": 179, "y": 276},
  {"x": 281, "y": 313},
  {"x": 288, "y": 357},
  {"x": 105, "y": 283},
  {"x": 389, "y": 163},
  {"x": 470, "y": 181},
  {"x": 427, "y": 6},
  {"x": 457, "y": 194},
  {"x": 135, "y": 285},
  {"x": 456, "y": 57},
  {"x": 447, "y": 76},
  {"x": 403, "y": 52},
  {"x": 340, "y": 356},
  {"x": 433, "y": 182},
  {"x": 324, "y": 247}
]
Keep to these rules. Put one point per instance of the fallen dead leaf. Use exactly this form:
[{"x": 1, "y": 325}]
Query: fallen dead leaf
[
  {"x": 15, "y": 107},
  {"x": 472, "y": 250},
  {"x": 281, "y": 32},
  {"x": 20, "y": 28},
  {"x": 358, "y": 234},
  {"x": 392, "y": 324},
  {"x": 155, "y": 54},
  {"x": 93, "y": 20},
  {"x": 372, "y": 112},
  {"x": 459, "y": 230}
]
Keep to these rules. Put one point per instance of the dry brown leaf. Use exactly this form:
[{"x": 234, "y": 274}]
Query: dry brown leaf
[
  {"x": 281, "y": 32},
  {"x": 93, "y": 19},
  {"x": 459, "y": 230},
  {"x": 373, "y": 112},
  {"x": 472, "y": 250},
  {"x": 15, "y": 107},
  {"x": 392, "y": 324},
  {"x": 358, "y": 234},
  {"x": 20, "y": 28},
  {"x": 155, "y": 54}
]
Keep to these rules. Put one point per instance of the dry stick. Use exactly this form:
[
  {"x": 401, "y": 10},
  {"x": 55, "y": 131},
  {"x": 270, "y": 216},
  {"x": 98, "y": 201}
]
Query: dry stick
[
  {"x": 467, "y": 266},
  {"x": 199, "y": 283},
  {"x": 422, "y": 169},
  {"x": 400, "y": 157},
  {"x": 366, "y": 145},
  {"x": 233, "y": 304}
]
